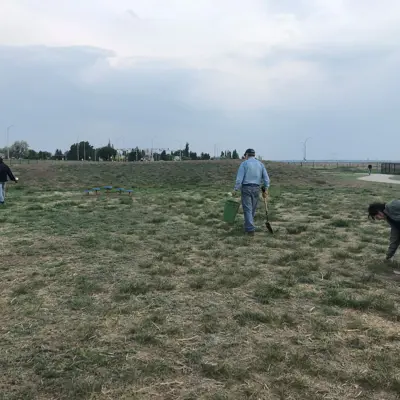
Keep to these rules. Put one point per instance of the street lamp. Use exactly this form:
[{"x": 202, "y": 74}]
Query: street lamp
[
  {"x": 152, "y": 148},
  {"x": 8, "y": 147},
  {"x": 305, "y": 149}
]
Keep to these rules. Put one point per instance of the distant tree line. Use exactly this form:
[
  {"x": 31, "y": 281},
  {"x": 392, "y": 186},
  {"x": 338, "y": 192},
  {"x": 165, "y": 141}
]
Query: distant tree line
[{"x": 87, "y": 152}]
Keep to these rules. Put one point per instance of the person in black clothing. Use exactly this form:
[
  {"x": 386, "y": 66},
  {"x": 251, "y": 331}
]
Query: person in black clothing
[
  {"x": 5, "y": 173},
  {"x": 369, "y": 169},
  {"x": 391, "y": 213}
]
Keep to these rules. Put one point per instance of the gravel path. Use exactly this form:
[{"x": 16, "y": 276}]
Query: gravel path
[{"x": 381, "y": 178}]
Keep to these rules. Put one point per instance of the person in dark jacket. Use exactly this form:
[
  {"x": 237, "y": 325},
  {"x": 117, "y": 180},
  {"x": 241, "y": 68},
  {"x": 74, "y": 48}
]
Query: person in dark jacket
[
  {"x": 391, "y": 213},
  {"x": 5, "y": 173}
]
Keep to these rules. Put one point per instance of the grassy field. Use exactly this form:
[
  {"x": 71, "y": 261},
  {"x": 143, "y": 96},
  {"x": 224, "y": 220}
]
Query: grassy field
[{"x": 154, "y": 297}]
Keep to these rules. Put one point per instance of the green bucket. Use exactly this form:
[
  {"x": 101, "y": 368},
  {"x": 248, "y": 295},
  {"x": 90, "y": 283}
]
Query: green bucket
[{"x": 230, "y": 210}]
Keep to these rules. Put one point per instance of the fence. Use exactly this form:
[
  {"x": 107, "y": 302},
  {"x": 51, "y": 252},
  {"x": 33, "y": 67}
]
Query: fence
[
  {"x": 390, "y": 168},
  {"x": 338, "y": 164},
  {"x": 13, "y": 161}
]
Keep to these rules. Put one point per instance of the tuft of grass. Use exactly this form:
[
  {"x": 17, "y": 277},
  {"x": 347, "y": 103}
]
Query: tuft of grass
[
  {"x": 198, "y": 283},
  {"x": 265, "y": 292},
  {"x": 335, "y": 297},
  {"x": 293, "y": 257},
  {"x": 340, "y": 223},
  {"x": 224, "y": 372},
  {"x": 252, "y": 317},
  {"x": 134, "y": 288},
  {"x": 296, "y": 230},
  {"x": 86, "y": 285}
]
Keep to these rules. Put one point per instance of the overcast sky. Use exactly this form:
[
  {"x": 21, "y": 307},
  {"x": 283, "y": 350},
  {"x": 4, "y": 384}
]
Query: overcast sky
[{"x": 231, "y": 73}]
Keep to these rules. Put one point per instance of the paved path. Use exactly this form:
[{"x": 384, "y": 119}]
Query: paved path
[{"x": 381, "y": 178}]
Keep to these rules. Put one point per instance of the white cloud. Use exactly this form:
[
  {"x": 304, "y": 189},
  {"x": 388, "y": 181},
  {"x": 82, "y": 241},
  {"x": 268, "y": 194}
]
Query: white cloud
[
  {"x": 250, "y": 55},
  {"x": 182, "y": 28}
]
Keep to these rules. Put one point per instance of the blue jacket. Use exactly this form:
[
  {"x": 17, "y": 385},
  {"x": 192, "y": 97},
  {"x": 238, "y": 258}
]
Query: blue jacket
[{"x": 252, "y": 172}]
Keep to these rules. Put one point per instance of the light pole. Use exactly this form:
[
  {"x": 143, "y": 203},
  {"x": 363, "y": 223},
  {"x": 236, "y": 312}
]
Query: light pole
[
  {"x": 152, "y": 147},
  {"x": 8, "y": 147},
  {"x": 305, "y": 149},
  {"x": 180, "y": 148},
  {"x": 216, "y": 150}
]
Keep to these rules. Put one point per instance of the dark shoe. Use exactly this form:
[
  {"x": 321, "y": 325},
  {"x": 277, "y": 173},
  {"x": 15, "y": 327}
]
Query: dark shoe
[{"x": 250, "y": 233}]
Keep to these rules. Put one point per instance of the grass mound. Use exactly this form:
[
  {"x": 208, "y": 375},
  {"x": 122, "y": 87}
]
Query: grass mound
[{"x": 66, "y": 175}]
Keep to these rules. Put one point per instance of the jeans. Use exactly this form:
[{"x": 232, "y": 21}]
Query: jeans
[
  {"x": 250, "y": 196},
  {"x": 2, "y": 192}
]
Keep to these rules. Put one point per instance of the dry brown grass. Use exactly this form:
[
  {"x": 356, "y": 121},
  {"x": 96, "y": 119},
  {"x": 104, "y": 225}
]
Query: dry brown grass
[{"x": 156, "y": 298}]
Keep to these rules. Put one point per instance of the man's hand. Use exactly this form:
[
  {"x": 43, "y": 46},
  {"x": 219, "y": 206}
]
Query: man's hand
[
  {"x": 234, "y": 193},
  {"x": 264, "y": 193}
]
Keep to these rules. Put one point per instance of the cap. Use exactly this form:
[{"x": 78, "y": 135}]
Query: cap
[{"x": 250, "y": 152}]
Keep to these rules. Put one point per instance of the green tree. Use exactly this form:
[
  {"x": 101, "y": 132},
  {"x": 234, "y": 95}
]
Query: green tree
[
  {"x": 193, "y": 156},
  {"x": 135, "y": 155},
  {"x": 81, "y": 151},
  {"x": 44, "y": 155},
  {"x": 235, "y": 155},
  {"x": 178, "y": 153},
  {"x": 73, "y": 152},
  {"x": 165, "y": 156},
  {"x": 58, "y": 155},
  {"x": 106, "y": 153},
  {"x": 19, "y": 149},
  {"x": 222, "y": 154},
  {"x": 32, "y": 155},
  {"x": 186, "y": 152},
  {"x": 205, "y": 156}
]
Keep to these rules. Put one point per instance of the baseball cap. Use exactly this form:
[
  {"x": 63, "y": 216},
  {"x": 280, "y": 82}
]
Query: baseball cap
[{"x": 250, "y": 152}]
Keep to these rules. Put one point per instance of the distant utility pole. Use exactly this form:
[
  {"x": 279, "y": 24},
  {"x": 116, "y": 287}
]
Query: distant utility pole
[
  {"x": 8, "y": 136},
  {"x": 305, "y": 149},
  {"x": 152, "y": 148}
]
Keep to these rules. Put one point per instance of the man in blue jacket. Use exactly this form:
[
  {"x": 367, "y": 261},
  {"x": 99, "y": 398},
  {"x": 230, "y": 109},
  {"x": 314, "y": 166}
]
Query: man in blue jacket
[{"x": 249, "y": 178}]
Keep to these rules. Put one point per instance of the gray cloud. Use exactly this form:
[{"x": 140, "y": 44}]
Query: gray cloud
[
  {"x": 50, "y": 105},
  {"x": 53, "y": 95}
]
